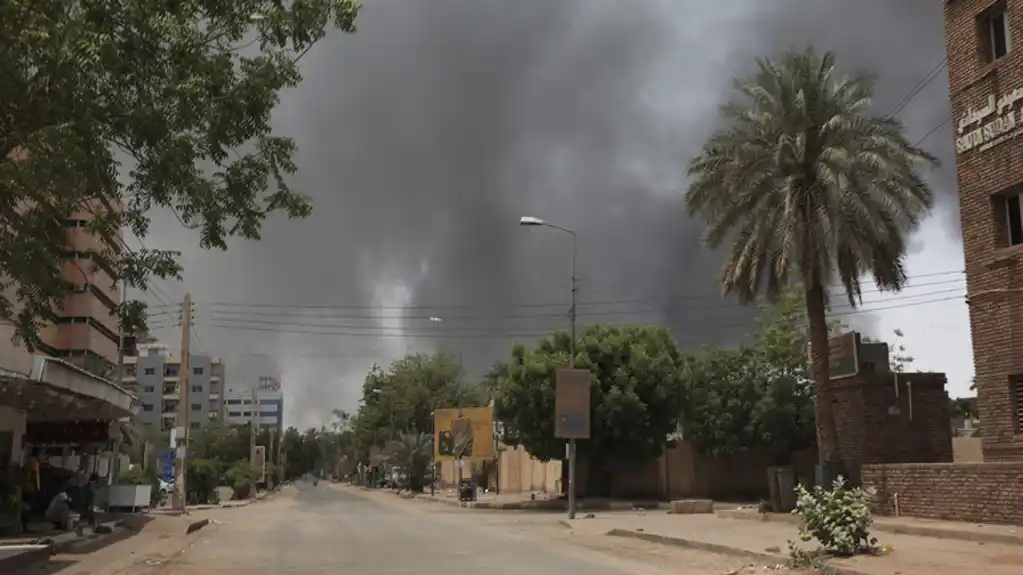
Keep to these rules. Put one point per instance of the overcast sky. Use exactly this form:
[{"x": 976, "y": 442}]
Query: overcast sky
[{"x": 425, "y": 136}]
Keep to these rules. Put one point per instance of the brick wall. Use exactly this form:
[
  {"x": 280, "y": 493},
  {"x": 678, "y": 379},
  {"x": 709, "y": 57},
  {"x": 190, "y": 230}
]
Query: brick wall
[
  {"x": 994, "y": 270},
  {"x": 979, "y": 492},
  {"x": 876, "y": 425}
]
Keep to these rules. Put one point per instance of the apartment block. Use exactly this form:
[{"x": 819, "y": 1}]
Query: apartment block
[
  {"x": 155, "y": 377},
  {"x": 259, "y": 402}
]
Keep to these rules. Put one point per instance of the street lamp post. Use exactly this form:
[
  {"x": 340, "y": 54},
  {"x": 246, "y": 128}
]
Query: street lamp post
[{"x": 534, "y": 221}]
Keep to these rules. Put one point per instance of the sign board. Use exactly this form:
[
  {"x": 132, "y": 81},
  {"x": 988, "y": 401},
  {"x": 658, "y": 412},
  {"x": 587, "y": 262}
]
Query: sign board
[
  {"x": 843, "y": 355},
  {"x": 572, "y": 404},
  {"x": 269, "y": 383},
  {"x": 997, "y": 121},
  {"x": 463, "y": 433},
  {"x": 165, "y": 459}
]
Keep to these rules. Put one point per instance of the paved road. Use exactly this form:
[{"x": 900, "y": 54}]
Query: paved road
[{"x": 326, "y": 529}]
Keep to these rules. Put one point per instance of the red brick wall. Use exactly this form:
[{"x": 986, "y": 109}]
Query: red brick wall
[
  {"x": 869, "y": 431},
  {"x": 993, "y": 269},
  {"x": 980, "y": 492}
]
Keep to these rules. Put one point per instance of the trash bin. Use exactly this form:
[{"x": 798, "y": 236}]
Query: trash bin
[{"x": 467, "y": 491}]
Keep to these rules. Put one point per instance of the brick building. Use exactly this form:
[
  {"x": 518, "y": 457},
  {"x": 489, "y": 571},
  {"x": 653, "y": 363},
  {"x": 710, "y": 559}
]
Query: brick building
[{"x": 985, "y": 69}]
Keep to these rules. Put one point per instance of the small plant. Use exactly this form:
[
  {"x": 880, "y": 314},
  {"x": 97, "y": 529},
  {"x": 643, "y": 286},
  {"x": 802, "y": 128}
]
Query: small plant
[
  {"x": 838, "y": 518},
  {"x": 814, "y": 561}
]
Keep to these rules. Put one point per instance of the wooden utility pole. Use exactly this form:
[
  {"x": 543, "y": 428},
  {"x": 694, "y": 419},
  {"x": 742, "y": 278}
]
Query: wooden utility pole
[{"x": 184, "y": 407}]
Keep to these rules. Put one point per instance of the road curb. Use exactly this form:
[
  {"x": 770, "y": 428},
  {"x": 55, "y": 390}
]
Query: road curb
[
  {"x": 552, "y": 505},
  {"x": 32, "y": 556},
  {"x": 196, "y": 525},
  {"x": 717, "y": 548},
  {"x": 917, "y": 530}
]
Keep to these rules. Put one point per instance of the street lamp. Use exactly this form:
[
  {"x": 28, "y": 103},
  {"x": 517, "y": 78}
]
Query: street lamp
[{"x": 535, "y": 221}]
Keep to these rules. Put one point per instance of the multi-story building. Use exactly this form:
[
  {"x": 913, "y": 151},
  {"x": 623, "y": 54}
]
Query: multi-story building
[
  {"x": 154, "y": 375},
  {"x": 86, "y": 332},
  {"x": 259, "y": 402},
  {"x": 985, "y": 75}
]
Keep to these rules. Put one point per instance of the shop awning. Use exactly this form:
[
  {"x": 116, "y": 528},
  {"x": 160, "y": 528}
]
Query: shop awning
[{"x": 59, "y": 391}]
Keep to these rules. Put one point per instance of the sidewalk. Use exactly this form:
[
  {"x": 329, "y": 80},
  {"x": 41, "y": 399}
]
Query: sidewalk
[
  {"x": 910, "y": 555},
  {"x": 543, "y": 502},
  {"x": 961, "y": 530}
]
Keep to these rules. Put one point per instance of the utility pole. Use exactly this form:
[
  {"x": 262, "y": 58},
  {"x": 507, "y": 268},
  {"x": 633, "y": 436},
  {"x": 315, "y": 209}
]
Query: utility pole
[
  {"x": 184, "y": 406},
  {"x": 571, "y": 364}
]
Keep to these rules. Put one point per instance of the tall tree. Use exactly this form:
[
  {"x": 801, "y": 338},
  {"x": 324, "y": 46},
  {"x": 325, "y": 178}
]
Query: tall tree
[
  {"x": 806, "y": 181},
  {"x": 635, "y": 401},
  {"x": 112, "y": 108}
]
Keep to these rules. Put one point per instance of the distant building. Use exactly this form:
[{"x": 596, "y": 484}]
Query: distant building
[
  {"x": 260, "y": 401},
  {"x": 154, "y": 376}
]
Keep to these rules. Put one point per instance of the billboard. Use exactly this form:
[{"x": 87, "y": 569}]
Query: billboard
[
  {"x": 463, "y": 433},
  {"x": 572, "y": 404},
  {"x": 269, "y": 383},
  {"x": 843, "y": 355}
]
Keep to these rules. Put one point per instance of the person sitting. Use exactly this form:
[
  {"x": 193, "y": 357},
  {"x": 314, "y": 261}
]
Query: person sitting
[{"x": 59, "y": 511}]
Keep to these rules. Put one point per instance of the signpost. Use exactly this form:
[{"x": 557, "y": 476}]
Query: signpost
[
  {"x": 843, "y": 355},
  {"x": 462, "y": 433},
  {"x": 572, "y": 404}
]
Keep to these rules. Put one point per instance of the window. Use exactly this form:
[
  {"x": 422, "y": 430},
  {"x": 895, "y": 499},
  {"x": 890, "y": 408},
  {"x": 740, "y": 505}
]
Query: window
[
  {"x": 1013, "y": 219},
  {"x": 1016, "y": 391},
  {"x": 196, "y": 371},
  {"x": 234, "y": 401},
  {"x": 196, "y": 407},
  {"x": 994, "y": 33},
  {"x": 246, "y": 414},
  {"x": 129, "y": 371},
  {"x": 234, "y": 414},
  {"x": 149, "y": 389},
  {"x": 196, "y": 389},
  {"x": 147, "y": 407},
  {"x": 170, "y": 371},
  {"x": 194, "y": 425},
  {"x": 150, "y": 371}
]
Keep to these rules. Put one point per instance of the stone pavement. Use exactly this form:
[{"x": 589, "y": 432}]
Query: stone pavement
[{"x": 910, "y": 554}]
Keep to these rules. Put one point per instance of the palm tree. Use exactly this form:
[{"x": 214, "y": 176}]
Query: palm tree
[{"x": 811, "y": 186}]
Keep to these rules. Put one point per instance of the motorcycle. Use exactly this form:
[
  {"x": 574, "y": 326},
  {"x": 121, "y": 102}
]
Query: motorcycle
[{"x": 316, "y": 482}]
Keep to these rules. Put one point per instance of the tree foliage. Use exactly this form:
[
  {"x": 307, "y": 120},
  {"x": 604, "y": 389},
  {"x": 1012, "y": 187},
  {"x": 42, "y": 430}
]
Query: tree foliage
[
  {"x": 412, "y": 453},
  {"x": 635, "y": 401},
  {"x": 806, "y": 181},
  {"x": 402, "y": 398},
  {"x": 112, "y": 108},
  {"x": 758, "y": 394}
]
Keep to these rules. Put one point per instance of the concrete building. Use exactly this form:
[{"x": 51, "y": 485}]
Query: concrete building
[
  {"x": 154, "y": 375},
  {"x": 260, "y": 401},
  {"x": 985, "y": 74}
]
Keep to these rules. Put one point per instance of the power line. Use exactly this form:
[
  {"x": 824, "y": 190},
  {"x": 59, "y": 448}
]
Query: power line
[
  {"x": 920, "y": 85},
  {"x": 219, "y": 306},
  {"x": 284, "y": 327}
]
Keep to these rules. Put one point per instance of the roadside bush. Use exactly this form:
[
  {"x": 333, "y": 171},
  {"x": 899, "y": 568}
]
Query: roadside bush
[
  {"x": 242, "y": 475},
  {"x": 838, "y": 518},
  {"x": 203, "y": 475},
  {"x": 139, "y": 476}
]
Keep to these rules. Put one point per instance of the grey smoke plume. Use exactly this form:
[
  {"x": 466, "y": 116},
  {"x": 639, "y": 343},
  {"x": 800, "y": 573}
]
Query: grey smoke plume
[{"x": 424, "y": 137}]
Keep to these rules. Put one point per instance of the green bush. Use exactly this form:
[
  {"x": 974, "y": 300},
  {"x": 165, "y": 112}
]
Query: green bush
[
  {"x": 139, "y": 476},
  {"x": 203, "y": 475},
  {"x": 838, "y": 518},
  {"x": 242, "y": 475}
]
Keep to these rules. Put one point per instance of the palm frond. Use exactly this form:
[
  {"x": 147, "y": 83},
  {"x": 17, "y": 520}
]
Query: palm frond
[{"x": 805, "y": 180}]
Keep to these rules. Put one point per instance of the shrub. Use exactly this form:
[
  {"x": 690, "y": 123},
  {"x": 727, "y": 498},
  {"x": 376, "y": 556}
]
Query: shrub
[
  {"x": 138, "y": 476},
  {"x": 242, "y": 475},
  {"x": 838, "y": 518}
]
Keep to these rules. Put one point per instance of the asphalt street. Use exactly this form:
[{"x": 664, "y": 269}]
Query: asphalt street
[{"x": 327, "y": 529}]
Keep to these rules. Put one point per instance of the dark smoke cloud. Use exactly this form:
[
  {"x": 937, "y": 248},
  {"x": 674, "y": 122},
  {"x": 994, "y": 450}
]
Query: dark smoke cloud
[{"x": 424, "y": 137}]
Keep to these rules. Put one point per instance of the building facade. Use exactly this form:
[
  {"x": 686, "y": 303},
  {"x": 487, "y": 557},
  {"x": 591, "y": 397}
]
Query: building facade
[
  {"x": 155, "y": 375},
  {"x": 86, "y": 333},
  {"x": 260, "y": 402},
  {"x": 985, "y": 72}
]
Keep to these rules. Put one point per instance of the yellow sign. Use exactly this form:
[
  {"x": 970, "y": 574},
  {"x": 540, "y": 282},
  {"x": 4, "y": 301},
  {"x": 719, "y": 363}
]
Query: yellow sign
[{"x": 463, "y": 433}]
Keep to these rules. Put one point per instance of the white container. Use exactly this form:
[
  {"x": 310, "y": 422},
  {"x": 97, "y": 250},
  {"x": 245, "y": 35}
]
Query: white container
[{"x": 133, "y": 496}]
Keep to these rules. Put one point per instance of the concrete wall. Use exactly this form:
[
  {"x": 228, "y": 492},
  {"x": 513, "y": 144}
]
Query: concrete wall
[{"x": 981, "y": 492}]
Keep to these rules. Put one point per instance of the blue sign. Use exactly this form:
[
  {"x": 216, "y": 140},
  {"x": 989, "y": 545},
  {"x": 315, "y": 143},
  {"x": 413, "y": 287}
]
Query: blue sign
[{"x": 166, "y": 461}]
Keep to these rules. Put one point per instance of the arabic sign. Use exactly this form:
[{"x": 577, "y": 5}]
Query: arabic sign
[
  {"x": 572, "y": 404},
  {"x": 998, "y": 120},
  {"x": 463, "y": 433}
]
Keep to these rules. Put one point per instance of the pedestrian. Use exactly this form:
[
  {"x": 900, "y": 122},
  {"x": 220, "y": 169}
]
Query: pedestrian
[{"x": 59, "y": 511}]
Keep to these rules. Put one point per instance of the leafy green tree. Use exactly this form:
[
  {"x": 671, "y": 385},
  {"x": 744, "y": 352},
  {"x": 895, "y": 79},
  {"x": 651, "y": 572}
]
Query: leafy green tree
[
  {"x": 112, "y": 108},
  {"x": 806, "y": 181},
  {"x": 402, "y": 398},
  {"x": 635, "y": 401},
  {"x": 721, "y": 390}
]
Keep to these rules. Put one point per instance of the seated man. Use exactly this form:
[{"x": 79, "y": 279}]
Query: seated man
[{"x": 59, "y": 511}]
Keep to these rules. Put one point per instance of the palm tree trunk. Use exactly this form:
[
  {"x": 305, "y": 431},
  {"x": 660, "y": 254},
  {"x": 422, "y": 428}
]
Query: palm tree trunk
[{"x": 827, "y": 436}]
